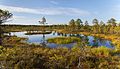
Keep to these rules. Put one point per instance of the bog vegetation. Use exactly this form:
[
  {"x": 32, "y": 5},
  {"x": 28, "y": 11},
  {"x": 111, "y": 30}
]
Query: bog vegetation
[
  {"x": 63, "y": 40},
  {"x": 16, "y": 54}
]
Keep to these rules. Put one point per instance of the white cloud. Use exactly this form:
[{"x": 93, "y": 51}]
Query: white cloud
[
  {"x": 23, "y": 20},
  {"x": 42, "y": 11},
  {"x": 54, "y": 2},
  {"x": 47, "y": 11},
  {"x": 19, "y": 9},
  {"x": 19, "y": 17}
]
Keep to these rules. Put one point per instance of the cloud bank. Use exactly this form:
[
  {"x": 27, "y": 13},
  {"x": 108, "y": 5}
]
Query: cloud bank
[{"x": 47, "y": 11}]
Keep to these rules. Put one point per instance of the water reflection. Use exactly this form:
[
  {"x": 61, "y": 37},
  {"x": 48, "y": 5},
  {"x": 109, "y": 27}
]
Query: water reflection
[
  {"x": 43, "y": 42},
  {"x": 91, "y": 41},
  {"x": 86, "y": 40}
]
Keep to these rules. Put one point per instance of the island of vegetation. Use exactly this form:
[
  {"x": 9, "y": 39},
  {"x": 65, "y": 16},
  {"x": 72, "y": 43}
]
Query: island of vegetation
[{"x": 63, "y": 40}]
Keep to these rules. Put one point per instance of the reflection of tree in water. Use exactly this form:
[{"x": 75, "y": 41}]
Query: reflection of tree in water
[
  {"x": 85, "y": 40},
  {"x": 43, "y": 41},
  {"x": 54, "y": 32},
  {"x": 96, "y": 40},
  {"x": 58, "y": 34},
  {"x": 65, "y": 35},
  {"x": 78, "y": 35},
  {"x": 102, "y": 41}
]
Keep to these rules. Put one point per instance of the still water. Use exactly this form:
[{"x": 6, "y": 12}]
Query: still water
[{"x": 41, "y": 39}]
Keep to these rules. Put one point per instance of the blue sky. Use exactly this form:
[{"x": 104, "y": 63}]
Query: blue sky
[{"x": 60, "y": 11}]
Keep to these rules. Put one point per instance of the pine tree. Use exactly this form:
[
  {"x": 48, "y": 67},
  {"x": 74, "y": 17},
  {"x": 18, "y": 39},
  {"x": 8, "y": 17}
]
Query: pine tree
[{"x": 4, "y": 16}]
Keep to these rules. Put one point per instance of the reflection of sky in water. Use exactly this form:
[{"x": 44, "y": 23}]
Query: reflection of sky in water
[
  {"x": 99, "y": 42},
  {"x": 34, "y": 38},
  {"x": 39, "y": 39},
  {"x": 53, "y": 45}
]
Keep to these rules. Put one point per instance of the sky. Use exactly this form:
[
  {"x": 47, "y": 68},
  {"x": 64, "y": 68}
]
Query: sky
[{"x": 29, "y": 12}]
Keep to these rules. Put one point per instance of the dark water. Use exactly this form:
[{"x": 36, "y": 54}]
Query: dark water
[{"x": 41, "y": 39}]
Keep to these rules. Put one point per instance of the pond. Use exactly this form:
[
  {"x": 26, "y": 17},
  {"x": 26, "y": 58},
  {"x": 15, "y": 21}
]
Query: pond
[{"x": 41, "y": 39}]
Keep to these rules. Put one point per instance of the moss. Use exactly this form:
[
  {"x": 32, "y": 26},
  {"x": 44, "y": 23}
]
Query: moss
[
  {"x": 63, "y": 40},
  {"x": 101, "y": 51},
  {"x": 14, "y": 41}
]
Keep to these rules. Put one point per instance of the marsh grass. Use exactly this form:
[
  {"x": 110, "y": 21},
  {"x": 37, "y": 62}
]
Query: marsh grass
[
  {"x": 14, "y": 41},
  {"x": 56, "y": 58},
  {"x": 101, "y": 51},
  {"x": 63, "y": 40}
]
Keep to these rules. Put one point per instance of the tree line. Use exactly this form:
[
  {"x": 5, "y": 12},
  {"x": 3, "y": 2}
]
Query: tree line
[{"x": 111, "y": 27}]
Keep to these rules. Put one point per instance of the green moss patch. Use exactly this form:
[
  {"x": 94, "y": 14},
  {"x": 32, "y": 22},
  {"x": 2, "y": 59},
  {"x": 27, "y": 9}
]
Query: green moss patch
[{"x": 63, "y": 40}]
